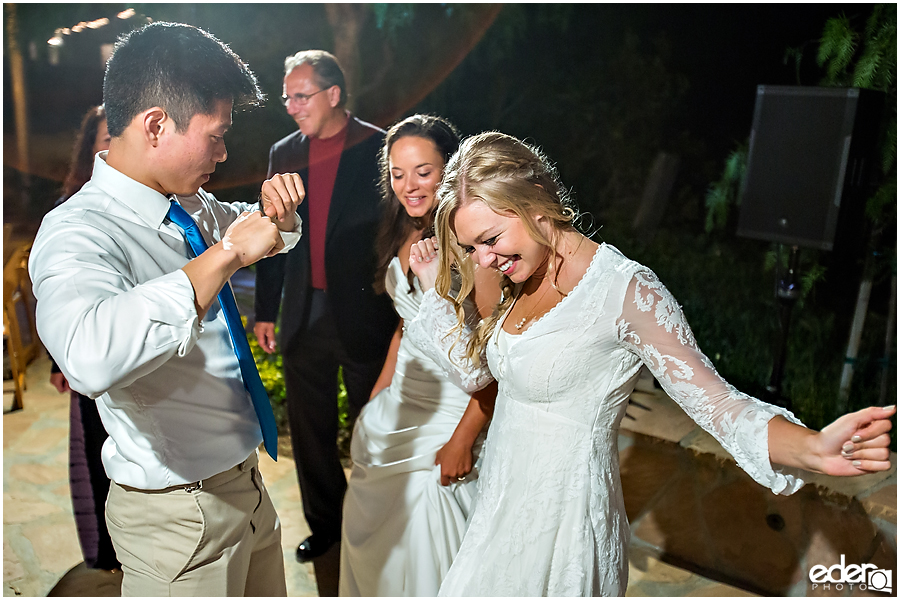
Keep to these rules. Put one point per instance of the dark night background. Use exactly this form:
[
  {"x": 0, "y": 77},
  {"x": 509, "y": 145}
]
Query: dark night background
[
  {"x": 530, "y": 74},
  {"x": 602, "y": 88}
]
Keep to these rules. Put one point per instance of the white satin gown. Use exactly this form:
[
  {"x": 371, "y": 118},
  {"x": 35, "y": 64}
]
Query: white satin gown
[
  {"x": 550, "y": 518},
  {"x": 401, "y": 527}
]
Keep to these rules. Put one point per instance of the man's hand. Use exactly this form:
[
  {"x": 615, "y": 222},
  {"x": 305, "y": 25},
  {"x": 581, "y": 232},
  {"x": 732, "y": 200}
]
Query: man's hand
[
  {"x": 252, "y": 237},
  {"x": 280, "y": 197},
  {"x": 58, "y": 380},
  {"x": 265, "y": 335}
]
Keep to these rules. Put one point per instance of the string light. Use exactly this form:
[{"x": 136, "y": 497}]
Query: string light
[{"x": 57, "y": 39}]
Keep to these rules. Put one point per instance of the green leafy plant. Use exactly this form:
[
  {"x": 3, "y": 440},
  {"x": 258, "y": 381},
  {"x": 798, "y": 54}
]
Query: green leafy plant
[
  {"x": 810, "y": 268},
  {"x": 271, "y": 372},
  {"x": 343, "y": 407},
  {"x": 868, "y": 59},
  {"x": 726, "y": 191}
]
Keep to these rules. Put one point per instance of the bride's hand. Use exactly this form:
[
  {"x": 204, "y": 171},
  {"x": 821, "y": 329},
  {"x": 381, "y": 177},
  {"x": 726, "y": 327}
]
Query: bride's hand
[
  {"x": 423, "y": 262},
  {"x": 857, "y": 443}
]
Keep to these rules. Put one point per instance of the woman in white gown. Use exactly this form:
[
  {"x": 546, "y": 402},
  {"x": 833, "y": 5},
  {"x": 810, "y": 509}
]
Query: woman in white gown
[
  {"x": 413, "y": 477},
  {"x": 576, "y": 322}
]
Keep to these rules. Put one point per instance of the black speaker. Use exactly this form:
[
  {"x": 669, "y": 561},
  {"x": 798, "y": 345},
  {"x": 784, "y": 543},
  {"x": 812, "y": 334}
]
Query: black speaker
[{"x": 812, "y": 164}]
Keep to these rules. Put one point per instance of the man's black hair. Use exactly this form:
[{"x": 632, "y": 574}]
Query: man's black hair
[{"x": 178, "y": 67}]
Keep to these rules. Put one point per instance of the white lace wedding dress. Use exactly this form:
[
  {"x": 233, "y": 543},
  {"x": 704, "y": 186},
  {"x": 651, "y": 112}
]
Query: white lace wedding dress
[
  {"x": 550, "y": 518},
  {"x": 401, "y": 527}
]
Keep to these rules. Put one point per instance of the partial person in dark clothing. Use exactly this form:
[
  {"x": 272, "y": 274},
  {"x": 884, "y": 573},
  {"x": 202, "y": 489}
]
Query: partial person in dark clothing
[
  {"x": 88, "y": 482},
  {"x": 93, "y": 137},
  {"x": 332, "y": 317}
]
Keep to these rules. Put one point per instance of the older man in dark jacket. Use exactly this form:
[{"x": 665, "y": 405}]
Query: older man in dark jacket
[{"x": 331, "y": 316}]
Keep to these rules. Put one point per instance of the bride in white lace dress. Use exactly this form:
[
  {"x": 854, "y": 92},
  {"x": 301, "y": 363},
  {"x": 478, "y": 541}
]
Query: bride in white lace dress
[
  {"x": 577, "y": 321},
  {"x": 416, "y": 442}
]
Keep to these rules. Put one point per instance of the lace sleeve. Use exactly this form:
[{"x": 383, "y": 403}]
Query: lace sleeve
[
  {"x": 652, "y": 325},
  {"x": 431, "y": 330}
]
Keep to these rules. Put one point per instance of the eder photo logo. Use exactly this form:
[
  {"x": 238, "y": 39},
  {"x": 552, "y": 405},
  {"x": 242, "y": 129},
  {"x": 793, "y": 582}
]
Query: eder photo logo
[{"x": 863, "y": 577}]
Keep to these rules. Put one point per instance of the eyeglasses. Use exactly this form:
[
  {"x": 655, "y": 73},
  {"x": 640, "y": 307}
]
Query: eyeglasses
[{"x": 301, "y": 99}]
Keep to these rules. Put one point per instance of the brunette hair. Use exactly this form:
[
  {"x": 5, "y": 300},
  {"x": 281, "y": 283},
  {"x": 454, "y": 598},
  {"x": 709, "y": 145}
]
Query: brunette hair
[
  {"x": 396, "y": 225},
  {"x": 82, "y": 163},
  {"x": 510, "y": 177}
]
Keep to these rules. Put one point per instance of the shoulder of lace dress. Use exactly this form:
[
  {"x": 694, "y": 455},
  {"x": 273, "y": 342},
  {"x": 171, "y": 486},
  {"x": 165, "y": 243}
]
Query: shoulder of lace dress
[{"x": 431, "y": 331}]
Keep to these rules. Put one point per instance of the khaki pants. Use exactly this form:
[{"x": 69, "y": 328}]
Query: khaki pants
[{"x": 222, "y": 539}]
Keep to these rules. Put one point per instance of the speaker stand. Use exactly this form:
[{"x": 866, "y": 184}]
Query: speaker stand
[{"x": 786, "y": 293}]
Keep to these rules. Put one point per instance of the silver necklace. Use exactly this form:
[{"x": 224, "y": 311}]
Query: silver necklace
[{"x": 530, "y": 315}]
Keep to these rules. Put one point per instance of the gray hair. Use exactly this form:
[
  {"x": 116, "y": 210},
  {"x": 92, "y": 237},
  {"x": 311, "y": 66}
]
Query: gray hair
[{"x": 325, "y": 66}]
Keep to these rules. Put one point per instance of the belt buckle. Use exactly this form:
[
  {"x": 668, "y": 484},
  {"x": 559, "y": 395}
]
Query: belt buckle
[{"x": 194, "y": 487}]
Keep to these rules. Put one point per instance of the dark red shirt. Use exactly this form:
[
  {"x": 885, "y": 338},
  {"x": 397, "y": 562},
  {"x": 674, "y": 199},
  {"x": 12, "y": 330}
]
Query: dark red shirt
[{"x": 324, "y": 158}]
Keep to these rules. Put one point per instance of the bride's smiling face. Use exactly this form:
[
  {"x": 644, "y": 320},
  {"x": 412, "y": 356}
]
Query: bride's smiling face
[{"x": 499, "y": 241}]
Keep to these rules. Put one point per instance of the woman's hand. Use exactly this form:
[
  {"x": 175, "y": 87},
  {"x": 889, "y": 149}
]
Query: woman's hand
[
  {"x": 856, "y": 443},
  {"x": 423, "y": 262},
  {"x": 455, "y": 459}
]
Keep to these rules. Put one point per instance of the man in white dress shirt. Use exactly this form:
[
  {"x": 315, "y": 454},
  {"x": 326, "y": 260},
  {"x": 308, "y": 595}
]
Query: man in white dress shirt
[{"x": 134, "y": 322}]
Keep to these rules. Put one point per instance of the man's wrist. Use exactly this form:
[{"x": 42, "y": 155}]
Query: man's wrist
[
  {"x": 284, "y": 225},
  {"x": 225, "y": 257}
]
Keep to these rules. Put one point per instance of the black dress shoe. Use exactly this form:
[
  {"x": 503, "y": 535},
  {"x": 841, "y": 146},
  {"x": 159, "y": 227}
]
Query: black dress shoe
[{"x": 313, "y": 547}]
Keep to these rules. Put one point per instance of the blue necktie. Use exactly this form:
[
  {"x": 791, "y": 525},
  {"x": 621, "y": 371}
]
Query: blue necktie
[{"x": 238, "y": 337}]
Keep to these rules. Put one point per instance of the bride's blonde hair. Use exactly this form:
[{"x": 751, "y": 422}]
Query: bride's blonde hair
[{"x": 512, "y": 178}]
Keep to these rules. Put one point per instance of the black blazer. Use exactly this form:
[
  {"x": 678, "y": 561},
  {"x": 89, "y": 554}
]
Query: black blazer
[{"x": 365, "y": 320}]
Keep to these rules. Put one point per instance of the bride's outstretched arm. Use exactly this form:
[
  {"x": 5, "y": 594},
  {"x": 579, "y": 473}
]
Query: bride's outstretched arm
[
  {"x": 653, "y": 326},
  {"x": 757, "y": 434}
]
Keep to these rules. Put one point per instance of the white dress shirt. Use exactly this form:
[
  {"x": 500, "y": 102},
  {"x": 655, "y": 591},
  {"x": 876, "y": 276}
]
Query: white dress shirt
[{"x": 117, "y": 314}]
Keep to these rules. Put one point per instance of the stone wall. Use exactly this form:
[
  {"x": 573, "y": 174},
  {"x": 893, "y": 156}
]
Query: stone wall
[{"x": 687, "y": 498}]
